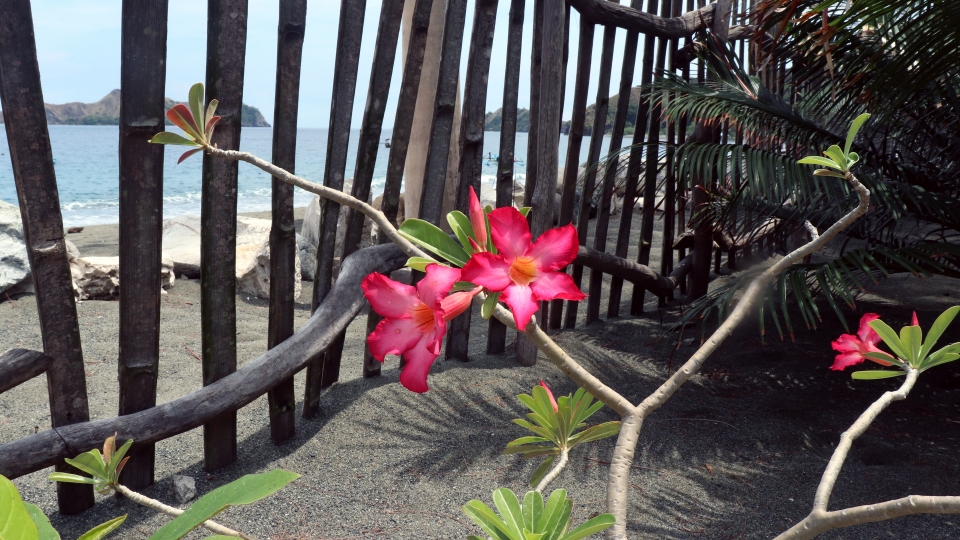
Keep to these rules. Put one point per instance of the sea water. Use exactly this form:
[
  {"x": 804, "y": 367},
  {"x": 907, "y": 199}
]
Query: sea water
[{"x": 87, "y": 168}]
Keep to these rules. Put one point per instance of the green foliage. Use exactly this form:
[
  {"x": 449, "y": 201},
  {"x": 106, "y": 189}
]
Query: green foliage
[
  {"x": 102, "y": 530},
  {"x": 20, "y": 520},
  {"x": 103, "y": 468},
  {"x": 45, "y": 530},
  {"x": 245, "y": 490},
  {"x": 557, "y": 429},
  {"x": 195, "y": 123},
  {"x": 430, "y": 237},
  {"x": 532, "y": 520},
  {"x": 911, "y": 348}
]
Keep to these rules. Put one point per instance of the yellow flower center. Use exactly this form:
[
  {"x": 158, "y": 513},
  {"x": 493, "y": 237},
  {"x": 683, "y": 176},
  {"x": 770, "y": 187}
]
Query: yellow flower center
[
  {"x": 523, "y": 270},
  {"x": 423, "y": 318}
]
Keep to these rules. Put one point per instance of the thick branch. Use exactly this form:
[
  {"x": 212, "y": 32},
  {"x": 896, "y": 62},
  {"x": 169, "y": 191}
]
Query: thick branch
[
  {"x": 633, "y": 272},
  {"x": 613, "y": 14},
  {"x": 158, "y": 506},
  {"x": 18, "y": 366}
]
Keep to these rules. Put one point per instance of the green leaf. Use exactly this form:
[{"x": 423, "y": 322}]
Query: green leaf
[
  {"x": 72, "y": 478},
  {"x": 117, "y": 456},
  {"x": 940, "y": 357},
  {"x": 509, "y": 508},
  {"x": 44, "y": 529},
  {"x": 90, "y": 462},
  {"x": 169, "y": 137},
  {"x": 889, "y": 337},
  {"x": 852, "y": 159},
  {"x": 542, "y": 471},
  {"x": 103, "y": 529},
  {"x": 837, "y": 155},
  {"x": 196, "y": 105},
  {"x": 883, "y": 357},
  {"x": 854, "y": 128},
  {"x": 15, "y": 520},
  {"x": 245, "y": 490},
  {"x": 420, "y": 263},
  {"x": 462, "y": 286},
  {"x": 912, "y": 339},
  {"x": 532, "y": 510},
  {"x": 592, "y": 526},
  {"x": 822, "y": 161},
  {"x": 875, "y": 374},
  {"x": 211, "y": 112},
  {"x": 489, "y": 304},
  {"x": 939, "y": 326},
  {"x": 525, "y": 210},
  {"x": 825, "y": 172},
  {"x": 462, "y": 228},
  {"x": 526, "y": 440},
  {"x": 595, "y": 433},
  {"x": 429, "y": 236},
  {"x": 487, "y": 520}
]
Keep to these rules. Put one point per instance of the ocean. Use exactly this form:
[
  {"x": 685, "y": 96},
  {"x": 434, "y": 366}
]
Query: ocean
[{"x": 87, "y": 170}]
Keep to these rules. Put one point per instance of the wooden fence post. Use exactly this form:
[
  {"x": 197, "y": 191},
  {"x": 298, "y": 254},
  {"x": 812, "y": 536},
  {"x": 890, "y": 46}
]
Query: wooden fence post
[
  {"x": 282, "y": 400},
  {"x": 320, "y": 374},
  {"x": 226, "y": 48},
  {"x": 26, "y": 123},
  {"x": 143, "y": 54}
]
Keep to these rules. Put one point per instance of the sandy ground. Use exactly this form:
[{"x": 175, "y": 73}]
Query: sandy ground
[{"x": 735, "y": 454}]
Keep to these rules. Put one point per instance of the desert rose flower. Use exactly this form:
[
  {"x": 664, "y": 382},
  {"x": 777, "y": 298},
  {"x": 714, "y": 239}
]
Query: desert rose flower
[
  {"x": 525, "y": 272},
  {"x": 414, "y": 319},
  {"x": 852, "y": 348}
]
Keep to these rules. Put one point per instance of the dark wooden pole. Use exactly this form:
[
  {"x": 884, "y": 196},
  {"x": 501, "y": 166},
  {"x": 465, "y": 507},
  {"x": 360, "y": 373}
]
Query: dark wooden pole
[
  {"x": 18, "y": 366},
  {"x": 226, "y": 48},
  {"x": 497, "y": 331},
  {"x": 143, "y": 53},
  {"x": 26, "y": 122},
  {"x": 399, "y": 143},
  {"x": 471, "y": 143},
  {"x": 574, "y": 141},
  {"x": 670, "y": 180},
  {"x": 282, "y": 400},
  {"x": 349, "y": 36},
  {"x": 441, "y": 131},
  {"x": 596, "y": 143}
]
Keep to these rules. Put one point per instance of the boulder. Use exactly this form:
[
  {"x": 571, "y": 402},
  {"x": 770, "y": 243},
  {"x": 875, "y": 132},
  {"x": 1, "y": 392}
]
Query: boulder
[
  {"x": 181, "y": 244},
  {"x": 184, "y": 488},
  {"x": 308, "y": 258},
  {"x": 98, "y": 278},
  {"x": 310, "y": 229},
  {"x": 14, "y": 264}
]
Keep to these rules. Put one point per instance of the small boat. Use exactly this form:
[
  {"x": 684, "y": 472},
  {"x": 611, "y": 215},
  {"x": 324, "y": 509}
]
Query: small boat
[{"x": 386, "y": 143}]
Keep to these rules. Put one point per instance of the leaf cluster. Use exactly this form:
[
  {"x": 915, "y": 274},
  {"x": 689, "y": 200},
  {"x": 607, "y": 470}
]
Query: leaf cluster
[
  {"x": 532, "y": 520},
  {"x": 911, "y": 349},
  {"x": 198, "y": 125}
]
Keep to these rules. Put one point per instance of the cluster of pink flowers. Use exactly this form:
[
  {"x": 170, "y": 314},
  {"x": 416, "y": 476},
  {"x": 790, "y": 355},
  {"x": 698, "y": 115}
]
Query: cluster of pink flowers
[
  {"x": 853, "y": 348},
  {"x": 524, "y": 272}
]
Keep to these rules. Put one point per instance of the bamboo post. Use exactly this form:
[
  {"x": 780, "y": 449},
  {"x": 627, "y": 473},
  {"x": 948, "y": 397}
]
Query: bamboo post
[
  {"x": 472, "y": 120},
  {"x": 226, "y": 48},
  {"x": 575, "y": 140},
  {"x": 497, "y": 331},
  {"x": 670, "y": 180},
  {"x": 320, "y": 373},
  {"x": 143, "y": 51},
  {"x": 30, "y": 154},
  {"x": 282, "y": 400}
]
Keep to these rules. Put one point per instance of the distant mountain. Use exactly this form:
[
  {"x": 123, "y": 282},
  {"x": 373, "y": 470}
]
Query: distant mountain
[
  {"x": 492, "y": 120},
  {"x": 106, "y": 112},
  {"x": 611, "y": 114}
]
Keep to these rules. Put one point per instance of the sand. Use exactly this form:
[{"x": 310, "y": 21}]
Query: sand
[{"x": 735, "y": 454}]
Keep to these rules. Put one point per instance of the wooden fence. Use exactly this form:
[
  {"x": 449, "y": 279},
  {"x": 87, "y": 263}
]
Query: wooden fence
[{"x": 667, "y": 26}]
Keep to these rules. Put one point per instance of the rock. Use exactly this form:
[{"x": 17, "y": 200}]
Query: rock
[
  {"x": 401, "y": 208},
  {"x": 312, "y": 217},
  {"x": 74, "y": 230},
  {"x": 14, "y": 264},
  {"x": 184, "y": 488},
  {"x": 181, "y": 243},
  {"x": 308, "y": 258},
  {"x": 72, "y": 252},
  {"x": 98, "y": 278}
]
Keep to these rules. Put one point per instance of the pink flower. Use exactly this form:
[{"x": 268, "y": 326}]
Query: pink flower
[
  {"x": 526, "y": 273},
  {"x": 852, "y": 348},
  {"x": 414, "y": 319},
  {"x": 553, "y": 400},
  {"x": 479, "y": 222}
]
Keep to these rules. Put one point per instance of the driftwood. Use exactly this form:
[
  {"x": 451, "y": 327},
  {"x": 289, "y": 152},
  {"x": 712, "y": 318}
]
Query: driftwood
[
  {"x": 18, "y": 366},
  {"x": 636, "y": 273},
  {"x": 614, "y": 14},
  {"x": 241, "y": 387}
]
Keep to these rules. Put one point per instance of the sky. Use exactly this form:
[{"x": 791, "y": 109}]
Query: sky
[{"x": 78, "y": 47}]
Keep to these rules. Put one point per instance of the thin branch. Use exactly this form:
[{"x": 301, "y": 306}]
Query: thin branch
[
  {"x": 555, "y": 471},
  {"x": 158, "y": 506}
]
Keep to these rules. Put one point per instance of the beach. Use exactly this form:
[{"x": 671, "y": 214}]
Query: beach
[{"x": 736, "y": 453}]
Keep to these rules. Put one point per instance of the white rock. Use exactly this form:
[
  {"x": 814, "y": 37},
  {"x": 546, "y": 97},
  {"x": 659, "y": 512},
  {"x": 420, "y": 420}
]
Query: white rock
[
  {"x": 310, "y": 230},
  {"x": 98, "y": 278},
  {"x": 72, "y": 252},
  {"x": 181, "y": 243},
  {"x": 14, "y": 265},
  {"x": 184, "y": 488}
]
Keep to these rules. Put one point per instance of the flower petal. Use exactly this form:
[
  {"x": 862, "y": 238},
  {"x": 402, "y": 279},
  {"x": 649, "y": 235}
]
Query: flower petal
[
  {"x": 510, "y": 231},
  {"x": 393, "y": 336},
  {"x": 843, "y": 361},
  {"x": 457, "y": 303},
  {"x": 389, "y": 298},
  {"x": 477, "y": 219},
  {"x": 437, "y": 284},
  {"x": 553, "y": 285},
  {"x": 521, "y": 301},
  {"x": 417, "y": 366},
  {"x": 847, "y": 343},
  {"x": 865, "y": 333},
  {"x": 555, "y": 248},
  {"x": 914, "y": 321},
  {"x": 487, "y": 270}
]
